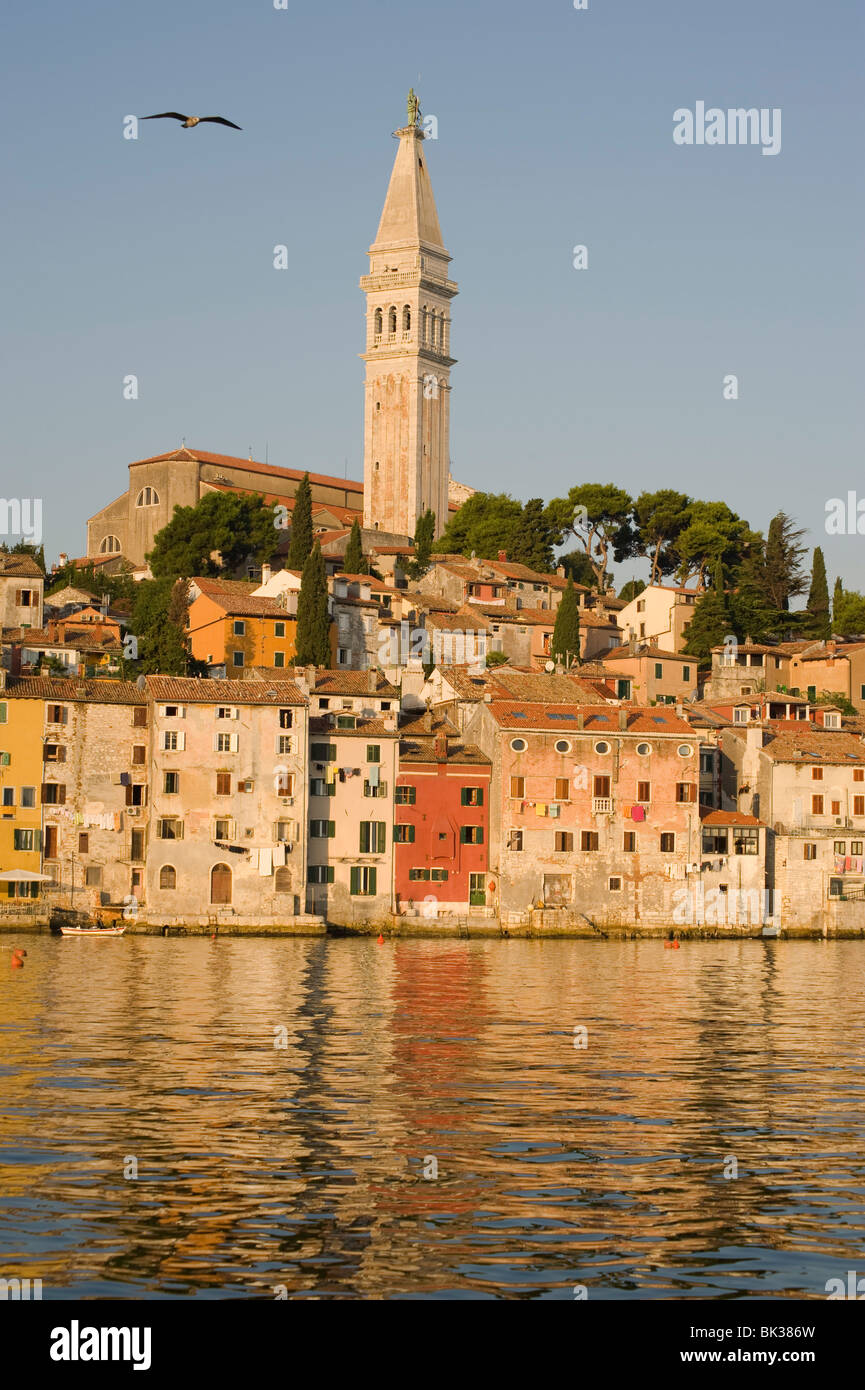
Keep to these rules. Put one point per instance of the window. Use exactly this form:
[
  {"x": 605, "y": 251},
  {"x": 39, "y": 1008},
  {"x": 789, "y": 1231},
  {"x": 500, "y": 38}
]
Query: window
[
  {"x": 685, "y": 750},
  {"x": 644, "y": 791},
  {"x": 374, "y": 788},
  {"x": 285, "y": 830},
  {"x": 223, "y": 829},
  {"x": 859, "y": 805},
  {"x": 220, "y": 884},
  {"x": 279, "y": 629},
  {"x": 136, "y": 853},
  {"x": 686, "y": 673},
  {"x": 372, "y": 837},
  {"x": 518, "y": 787},
  {"x": 25, "y": 839},
  {"x": 93, "y": 876},
  {"x": 373, "y": 753},
  {"x": 745, "y": 839},
  {"x": 55, "y": 753},
  {"x": 644, "y": 749},
  {"x": 707, "y": 762},
  {"x": 319, "y": 786},
  {"x": 623, "y": 690},
  {"x": 148, "y": 497},
  {"x": 319, "y": 873},
  {"x": 418, "y": 875},
  {"x": 629, "y": 841},
  {"x": 856, "y": 847},
  {"x": 28, "y": 795},
  {"x": 168, "y": 876},
  {"x": 53, "y": 794},
  {"x": 174, "y": 741},
  {"x": 238, "y": 627},
  {"x": 279, "y": 659},
  {"x": 439, "y": 875},
  {"x": 342, "y": 656},
  {"x": 169, "y": 828},
  {"x": 659, "y": 670},
  {"x": 809, "y": 851},
  {"x": 668, "y": 844},
  {"x": 363, "y": 881},
  {"x": 284, "y": 743},
  {"x": 136, "y": 794},
  {"x": 323, "y": 752},
  {"x": 322, "y": 829},
  {"x": 816, "y": 805},
  {"x": 714, "y": 841},
  {"x": 405, "y": 796},
  {"x": 83, "y": 843},
  {"x": 840, "y": 847},
  {"x": 171, "y": 784},
  {"x": 282, "y": 880},
  {"x": 139, "y": 717},
  {"x": 600, "y": 786},
  {"x": 812, "y": 692},
  {"x": 227, "y": 743},
  {"x": 286, "y": 719},
  {"x": 57, "y": 714},
  {"x": 471, "y": 796},
  {"x": 589, "y": 840},
  {"x": 109, "y": 545},
  {"x": 602, "y": 747},
  {"x": 237, "y": 658},
  {"x": 346, "y": 721},
  {"x": 174, "y": 711},
  {"x": 817, "y": 774},
  {"x": 403, "y": 834},
  {"x": 519, "y": 745},
  {"x": 835, "y": 808},
  {"x": 641, "y": 605},
  {"x": 471, "y": 834},
  {"x": 615, "y": 885},
  {"x": 223, "y": 784},
  {"x": 564, "y": 842},
  {"x": 859, "y": 774},
  {"x": 686, "y": 791},
  {"x": 563, "y": 788},
  {"x": 8, "y": 796},
  {"x": 515, "y": 840},
  {"x": 562, "y": 746},
  {"x": 139, "y": 754}
]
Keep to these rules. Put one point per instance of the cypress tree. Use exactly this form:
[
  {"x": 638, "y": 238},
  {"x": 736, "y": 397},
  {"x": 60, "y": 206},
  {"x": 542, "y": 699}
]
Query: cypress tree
[
  {"x": 565, "y": 645},
  {"x": 354, "y": 562},
  {"x": 424, "y": 535},
  {"x": 711, "y": 621},
  {"x": 300, "y": 545},
  {"x": 313, "y": 623},
  {"x": 837, "y": 601},
  {"x": 817, "y": 622}
]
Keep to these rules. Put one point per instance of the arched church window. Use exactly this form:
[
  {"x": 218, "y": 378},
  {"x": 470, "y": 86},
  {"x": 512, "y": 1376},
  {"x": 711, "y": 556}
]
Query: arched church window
[
  {"x": 423, "y": 324},
  {"x": 378, "y": 322},
  {"x": 148, "y": 497},
  {"x": 109, "y": 545},
  {"x": 391, "y": 320},
  {"x": 406, "y": 319},
  {"x": 432, "y": 328}
]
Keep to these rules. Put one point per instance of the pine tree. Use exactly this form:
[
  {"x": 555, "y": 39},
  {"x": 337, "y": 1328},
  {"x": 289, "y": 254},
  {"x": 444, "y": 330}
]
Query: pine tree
[
  {"x": 565, "y": 644},
  {"x": 751, "y": 614},
  {"x": 354, "y": 562},
  {"x": 534, "y": 542},
  {"x": 817, "y": 623},
  {"x": 424, "y": 535},
  {"x": 784, "y": 578},
  {"x": 300, "y": 545},
  {"x": 711, "y": 621},
  {"x": 313, "y": 623}
]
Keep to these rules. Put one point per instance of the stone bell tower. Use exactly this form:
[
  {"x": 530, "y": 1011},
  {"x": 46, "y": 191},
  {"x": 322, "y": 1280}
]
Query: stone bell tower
[{"x": 408, "y": 361}]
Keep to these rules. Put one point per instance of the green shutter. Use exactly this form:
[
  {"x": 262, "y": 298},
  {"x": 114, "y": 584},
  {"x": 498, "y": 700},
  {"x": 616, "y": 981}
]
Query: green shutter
[
  {"x": 372, "y": 879},
  {"x": 331, "y": 788},
  {"x": 364, "y": 836},
  {"x": 354, "y": 886},
  {"x": 3, "y": 714},
  {"x": 382, "y": 829},
  {"x": 331, "y": 829},
  {"x": 329, "y": 868},
  {"x": 373, "y": 753}
]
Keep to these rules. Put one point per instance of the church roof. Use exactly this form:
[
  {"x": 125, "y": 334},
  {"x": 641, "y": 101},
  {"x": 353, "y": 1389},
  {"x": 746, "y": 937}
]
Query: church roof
[
  {"x": 250, "y": 466},
  {"x": 409, "y": 213}
]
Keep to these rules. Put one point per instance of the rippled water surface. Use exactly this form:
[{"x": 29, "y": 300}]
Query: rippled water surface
[{"x": 303, "y": 1164}]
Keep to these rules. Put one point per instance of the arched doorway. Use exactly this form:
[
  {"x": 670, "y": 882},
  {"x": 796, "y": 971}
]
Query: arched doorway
[{"x": 220, "y": 884}]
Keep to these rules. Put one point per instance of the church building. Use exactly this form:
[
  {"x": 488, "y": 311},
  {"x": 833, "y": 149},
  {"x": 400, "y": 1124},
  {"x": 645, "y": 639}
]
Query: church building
[{"x": 407, "y": 400}]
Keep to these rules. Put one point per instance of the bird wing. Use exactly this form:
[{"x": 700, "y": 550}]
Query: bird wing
[
  {"x": 220, "y": 120},
  {"x": 175, "y": 115}
]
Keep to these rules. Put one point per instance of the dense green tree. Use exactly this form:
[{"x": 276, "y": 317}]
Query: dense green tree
[
  {"x": 535, "y": 539},
  {"x": 631, "y": 589},
  {"x": 486, "y": 523},
  {"x": 577, "y": 564},
  {"x": 96, "y": 582},
  {"x": 751, "y": 613},
  {"x": 817, "y": 622},
  {"x": 159, "y": 625},
  {"x": 783, "y": 563},
  {"x": 496, "y": 659},
  {"x": 230, "y": 526},
  {"x": 598, "y": 516},
  {"x": 565, "y": 644},
  {"x": 36, "y": 552},
  {"x": 300, "y": 545},
  {"x": 849, "y": 614},
  {"x": 711, "y": 621},
  {"x": 424, "y": 535},
  {"x": 659, "y": 517},
  {"x": 313, "y": 623},
  {"x": 353, "y": 561},
  {"x": 713, "y": 532}
]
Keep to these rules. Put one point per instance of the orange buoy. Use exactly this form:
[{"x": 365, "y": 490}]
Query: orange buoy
[
  {"x": 675, "y": 945},
  {"x": 380, "y": 941},
  {"x": 17, "y": 962}
]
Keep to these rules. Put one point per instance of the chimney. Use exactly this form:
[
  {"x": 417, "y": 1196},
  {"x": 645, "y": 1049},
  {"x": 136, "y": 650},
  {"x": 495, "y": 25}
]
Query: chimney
[
  {"x": 266, "y": 572},
  {"x": 310, "y": 678},
  {"x": 440, "y": 747},
  {"x": 300, "y": 680},
  {"x": 754, "y": 736},
  {"x": 623, "y": 720},
  {"x": 503, "y": 556},
  {"x": 560, "y": 571},
  {"x": 62, "y": 559},
  {"x": 831, "y": 647},
  {"x": 632, "y": 643},
  {"x": 104, "y": 604},
  {"x": 581, "y": 719},
  {"x": 427, "y": 720},
  {"x": 372, "y": 680}
]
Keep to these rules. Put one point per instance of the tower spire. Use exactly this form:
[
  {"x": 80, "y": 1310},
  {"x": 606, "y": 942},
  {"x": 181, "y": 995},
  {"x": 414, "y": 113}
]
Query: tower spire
[{"x": 408, "y": 362}]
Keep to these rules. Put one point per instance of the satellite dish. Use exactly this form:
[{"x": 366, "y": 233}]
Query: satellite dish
[
  {"x": 550, "y": 666},
  {"x": 141, "y": 683}
]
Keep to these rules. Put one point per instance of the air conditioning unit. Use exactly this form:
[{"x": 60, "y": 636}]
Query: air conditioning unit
[
  {"x": 287, "y": 800},
  {"x": 133, "y": 810},
  {"x": 839, "y": 820}
]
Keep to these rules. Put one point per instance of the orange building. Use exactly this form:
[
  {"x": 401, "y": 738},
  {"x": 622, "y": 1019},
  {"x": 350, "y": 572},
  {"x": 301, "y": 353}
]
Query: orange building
[{"x": 230, "y": 628}]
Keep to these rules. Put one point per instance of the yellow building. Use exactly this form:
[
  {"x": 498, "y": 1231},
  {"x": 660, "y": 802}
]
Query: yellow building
[{"x": 21, "y": 729}]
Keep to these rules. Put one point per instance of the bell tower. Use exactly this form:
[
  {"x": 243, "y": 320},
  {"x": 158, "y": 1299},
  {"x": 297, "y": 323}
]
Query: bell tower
[{"x": 408, "y": 361}]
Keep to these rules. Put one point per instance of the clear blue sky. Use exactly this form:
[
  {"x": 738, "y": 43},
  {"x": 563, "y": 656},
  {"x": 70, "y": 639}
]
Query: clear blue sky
[{"x": 154, "y": 256}]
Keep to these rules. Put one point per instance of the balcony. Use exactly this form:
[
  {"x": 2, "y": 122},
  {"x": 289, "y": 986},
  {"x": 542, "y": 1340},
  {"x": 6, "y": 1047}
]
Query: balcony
[{"x": 602, "y": 805}]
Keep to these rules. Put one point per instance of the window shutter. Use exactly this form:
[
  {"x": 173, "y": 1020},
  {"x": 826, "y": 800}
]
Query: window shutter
[
  {"x": 179, "y": 830},
  {"x": 371, "y": 878},
  {"x": 37, "y": 839},
  {"x": 331, "y": 829},
  {"x": 329, "y": 868},
  {"x": 381, "y": 838},
  {"x": 2, "y": 714},
  {"x": 181, "y": 740},
  {"x": 235, "y": 713},
  {"x": 331, "y": 788},
  {"x": 235, "y": 742},
  {"x": 275, "y": 829},
  {"x": 61, "y": 795},
  {"x": 44, "y": 793},
  {"x": 354, "y": 886}
]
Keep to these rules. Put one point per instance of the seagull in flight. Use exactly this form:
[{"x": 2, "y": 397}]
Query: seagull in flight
[{"x": 189, "y": 121}]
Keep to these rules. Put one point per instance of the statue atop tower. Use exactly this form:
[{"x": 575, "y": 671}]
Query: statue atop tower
[{"x": 408, "y": 361}]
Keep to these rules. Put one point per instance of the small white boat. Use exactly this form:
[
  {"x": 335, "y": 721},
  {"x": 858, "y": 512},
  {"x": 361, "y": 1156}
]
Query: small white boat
[{"x": 117, "y": 930}]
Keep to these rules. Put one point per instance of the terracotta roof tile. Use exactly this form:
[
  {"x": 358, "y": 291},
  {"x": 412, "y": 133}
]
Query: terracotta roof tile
[
  {"x": 251, "y": 466},
  {"x": 95, "y": 692},
  {"x": 189, "y": 690}
]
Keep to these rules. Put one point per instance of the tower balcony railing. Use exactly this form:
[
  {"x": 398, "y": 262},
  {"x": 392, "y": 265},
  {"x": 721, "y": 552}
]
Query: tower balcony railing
[{"x": 392, "y": 278}]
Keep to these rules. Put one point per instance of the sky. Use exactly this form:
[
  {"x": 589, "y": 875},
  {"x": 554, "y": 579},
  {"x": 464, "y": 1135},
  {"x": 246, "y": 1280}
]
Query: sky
[{"x": 154, "y": 257}]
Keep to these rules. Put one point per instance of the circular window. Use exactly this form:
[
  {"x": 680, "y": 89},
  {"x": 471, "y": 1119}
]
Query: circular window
[
  {"x": 684, "y": 750},
  {"x": 643, "y": 749},
  {"x": 562, "y": 746},
  {"x": 602, "y": 747},
  {"x": 519, "y": 745}
]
